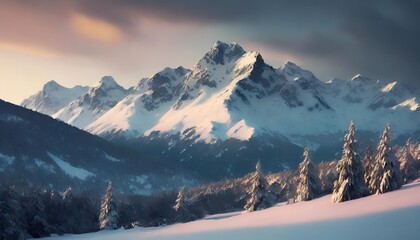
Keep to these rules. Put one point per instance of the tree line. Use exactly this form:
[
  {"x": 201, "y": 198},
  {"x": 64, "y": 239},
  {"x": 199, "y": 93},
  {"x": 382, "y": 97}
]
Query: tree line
[{"x": 35, "y": 213}]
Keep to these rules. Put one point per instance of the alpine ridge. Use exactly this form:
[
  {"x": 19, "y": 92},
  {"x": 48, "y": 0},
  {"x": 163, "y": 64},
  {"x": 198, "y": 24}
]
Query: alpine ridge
[
  {"x": 52, "y": 97},
  {"x": 234, "y": 94},
  {"x": 93, "y": 104}
]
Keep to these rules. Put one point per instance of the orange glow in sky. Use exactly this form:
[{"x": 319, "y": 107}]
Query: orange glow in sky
[{"x": 95, "y": 29}]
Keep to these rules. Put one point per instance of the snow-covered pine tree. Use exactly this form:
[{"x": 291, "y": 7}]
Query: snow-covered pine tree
[
  {"x": 180, "y": 203},
  {"x": 350, "y": 183},
  {"x": 181, "y": 208},
  {"x": 369, "y": 165},
  {"x": 386, "y": 175},
  {"x": 327, "y": 175},
  {"x": 259, "y": 195},
  {"x": 108, "y": 217},
  {"x": 415, "y": 151},
  {"x": 407, "y": 163},
  {"x": 68, "y": 194},
  {"x": 308, "y": 182}
]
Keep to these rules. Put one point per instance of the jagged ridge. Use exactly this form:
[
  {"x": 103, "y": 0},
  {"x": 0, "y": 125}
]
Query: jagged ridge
[{"x": 231, "y": 93}]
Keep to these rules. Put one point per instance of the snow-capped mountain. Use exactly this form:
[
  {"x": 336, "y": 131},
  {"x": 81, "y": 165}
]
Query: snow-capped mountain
[
  {"x": 224, "y": 99},
  {"x": 53, "y": 97},
  {"x": 218, "y": 99},
  {"x": 93, "y": 104},
  {"x": 231, "y": 93},
  {"x": 141, "y": 109},
  {"x": 246, "y": 109}
]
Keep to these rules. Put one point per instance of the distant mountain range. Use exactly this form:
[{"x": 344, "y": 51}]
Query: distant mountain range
[
  {"x": 231, "y": 93},
  {"x": 232, "y": 109}
]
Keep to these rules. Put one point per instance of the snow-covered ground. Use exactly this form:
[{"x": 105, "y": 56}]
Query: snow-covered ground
[
  {"x": 70, "y": 170},
  {"x": 394, "y": 215}
]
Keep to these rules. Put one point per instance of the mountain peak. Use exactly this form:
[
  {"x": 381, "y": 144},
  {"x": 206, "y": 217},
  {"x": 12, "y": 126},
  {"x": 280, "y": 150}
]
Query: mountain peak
[
  {"x": 219, "y": 43},
  {"x": 165, "y": 76},
  {"x": 107, "y": 82},
  {"x": 222, "y": 52},
  {"x": 180, "y": 70},
  {"x": 335, "y": 81},
  {"x": 357, "y": 76},
  {"x": 294, "y": 72},
  {"x": 93, "y": 104},
  {"x": 51, "y": 86},
  {"x": 291, "y": 65},
  {"x": 52, "y": 97},
  {"x": 360, "y": 79}
]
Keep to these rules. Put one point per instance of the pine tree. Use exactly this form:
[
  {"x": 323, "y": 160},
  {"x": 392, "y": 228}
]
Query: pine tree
[
  {"x": 386, "y": 175},
  {"x": 181, "y": 208},
  {"x": 68, "y": 194},
  {"x": 259, "y": 195},
  {"x": 327, "y": 176},
  {"x": 12, "y": 219},
  {"x": 407, "y": 163},
  {"x": 35, "y": 215},
  {"x": 369, "y": 165},
  {"x": 308, "y": 182},
  {"x": 180, "y": 203},
  {"x": 108, "y": 217},
  {"x": 350, "y": 183}
]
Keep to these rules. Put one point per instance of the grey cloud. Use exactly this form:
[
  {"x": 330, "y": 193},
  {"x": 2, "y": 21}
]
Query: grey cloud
[{"x": 377, "y": 38}]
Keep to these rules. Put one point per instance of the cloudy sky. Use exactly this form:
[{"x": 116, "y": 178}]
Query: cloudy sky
[{"x": 79, "y": 41}]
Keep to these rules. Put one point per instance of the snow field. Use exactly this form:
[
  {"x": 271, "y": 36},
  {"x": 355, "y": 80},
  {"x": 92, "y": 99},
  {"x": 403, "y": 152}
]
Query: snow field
[{"x": 394, "y": 215}]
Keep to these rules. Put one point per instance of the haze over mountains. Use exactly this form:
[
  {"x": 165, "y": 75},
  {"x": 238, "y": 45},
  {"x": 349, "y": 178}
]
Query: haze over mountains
[{"x": 234, "y": 108}]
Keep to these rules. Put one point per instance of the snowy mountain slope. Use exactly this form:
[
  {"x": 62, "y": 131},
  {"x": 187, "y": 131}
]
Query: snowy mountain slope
[
  {"x": 140, "y": 110},
  {"x": 247, "y": 110},
  {"x": 217, "y": 99},
  {"x": 375, "y": 95},
  {"x": 389, "y": 95},
  {"x": 394, "y": 215},
  {"x": 52, "y": 98},
  {"x": 93, "y": 104},
  {"x": 372, "y": 104},
  {"x": 231, "y": 93},
  {"x": 203, "y": 103}
]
